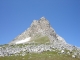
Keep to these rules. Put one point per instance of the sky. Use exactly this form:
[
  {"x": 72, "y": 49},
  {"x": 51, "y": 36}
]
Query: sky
[{"x": 17, "y": 15}]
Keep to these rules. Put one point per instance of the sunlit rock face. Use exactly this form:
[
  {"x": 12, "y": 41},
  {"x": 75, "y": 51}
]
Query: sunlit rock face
[{"x": 38, "y": 27}]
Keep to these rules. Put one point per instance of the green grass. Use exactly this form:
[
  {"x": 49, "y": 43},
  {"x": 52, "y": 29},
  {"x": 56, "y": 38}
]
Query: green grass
[
  {"x": 53, "y": 55},
  {"x": 42, "y": 40},
  {"x": 40, "y": 56}
]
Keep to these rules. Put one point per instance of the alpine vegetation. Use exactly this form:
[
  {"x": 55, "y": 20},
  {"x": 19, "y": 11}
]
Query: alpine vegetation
[{"x": 39, "y": 42}]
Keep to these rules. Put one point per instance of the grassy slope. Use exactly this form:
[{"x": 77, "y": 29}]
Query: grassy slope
[
  {"x": 41, "y": 56},
  {"x": 39, "y": 39}
]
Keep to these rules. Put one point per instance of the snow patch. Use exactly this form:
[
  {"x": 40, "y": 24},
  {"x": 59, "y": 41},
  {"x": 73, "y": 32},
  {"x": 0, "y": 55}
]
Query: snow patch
[{"x": 23, "y": 41}]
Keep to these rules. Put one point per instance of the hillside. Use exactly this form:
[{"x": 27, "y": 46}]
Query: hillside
[{"x": 39, "y": 42}]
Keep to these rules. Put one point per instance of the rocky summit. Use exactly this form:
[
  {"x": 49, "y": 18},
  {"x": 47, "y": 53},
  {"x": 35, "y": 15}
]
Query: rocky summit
[
  {"x": 39, "y": 38},
  {"x": 40, "y": 28}
]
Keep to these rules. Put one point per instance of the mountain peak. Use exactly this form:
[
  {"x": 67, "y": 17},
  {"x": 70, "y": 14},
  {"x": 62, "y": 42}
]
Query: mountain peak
[
  {"x": 40, "y": 24},
  {"x": 38, "y": 27},
  {"x": 43, "y": 18},
  {"x": 39, "y": 37},
  {"x": 40, "y": 21}
]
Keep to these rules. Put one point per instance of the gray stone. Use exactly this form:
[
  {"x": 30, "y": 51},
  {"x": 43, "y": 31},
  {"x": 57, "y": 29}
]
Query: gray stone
[{"x": 38, "y": 27}]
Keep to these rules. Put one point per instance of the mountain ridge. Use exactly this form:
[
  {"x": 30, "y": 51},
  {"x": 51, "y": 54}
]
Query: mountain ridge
[
  {"x": 42, "y": 27},
  {"x": 40, "y": 37}
]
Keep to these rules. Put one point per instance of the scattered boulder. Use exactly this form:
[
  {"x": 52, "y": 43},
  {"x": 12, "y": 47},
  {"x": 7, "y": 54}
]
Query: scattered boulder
[
  {"x": 62, "y": 51},
  {"x": 73, "y": 56}
]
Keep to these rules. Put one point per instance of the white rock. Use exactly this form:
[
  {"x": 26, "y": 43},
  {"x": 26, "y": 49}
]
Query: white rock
[
  {"x": 68, "y": 53},
  {"x": 73, "y": 56},
  {"x": 62, "y": 51}
]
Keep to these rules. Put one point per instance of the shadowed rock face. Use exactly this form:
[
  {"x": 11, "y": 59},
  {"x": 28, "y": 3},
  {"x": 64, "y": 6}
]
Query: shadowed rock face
[{"x": 39, "y": 27}]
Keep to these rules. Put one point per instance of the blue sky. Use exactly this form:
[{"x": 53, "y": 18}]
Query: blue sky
[{"x": 17, "y": 15}]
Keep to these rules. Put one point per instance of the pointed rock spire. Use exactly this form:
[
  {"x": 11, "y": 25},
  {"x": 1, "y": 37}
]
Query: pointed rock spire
[
  {"x": 44, "y": 21},
  {"x": 41, "y": 27},
  {"x": 43, "y": 18}
]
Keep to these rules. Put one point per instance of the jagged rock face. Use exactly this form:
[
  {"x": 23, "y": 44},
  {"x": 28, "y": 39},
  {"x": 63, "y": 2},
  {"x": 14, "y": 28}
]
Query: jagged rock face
[
  {"x": 41, "y": 27},
  {"x": 38, "y": 27}
]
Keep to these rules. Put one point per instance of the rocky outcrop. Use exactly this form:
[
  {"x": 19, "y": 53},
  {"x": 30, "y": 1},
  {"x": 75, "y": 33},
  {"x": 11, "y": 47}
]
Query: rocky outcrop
[
  {"x": 39, "y": 27},
  {"x": 9, "y": 50}
]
